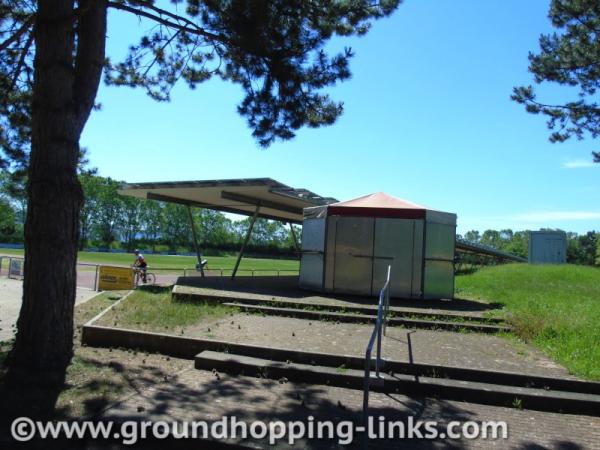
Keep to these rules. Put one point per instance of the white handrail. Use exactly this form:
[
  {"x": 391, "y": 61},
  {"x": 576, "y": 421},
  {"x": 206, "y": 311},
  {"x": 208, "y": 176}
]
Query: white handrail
[{"x": 383, "y": 308}]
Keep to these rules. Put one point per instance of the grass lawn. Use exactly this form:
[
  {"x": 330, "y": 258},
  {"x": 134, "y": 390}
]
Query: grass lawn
[
  {"x": 153, "y": 309},
  {"x": 555, "y": 307},
  {"x": 177, "y": 262}
]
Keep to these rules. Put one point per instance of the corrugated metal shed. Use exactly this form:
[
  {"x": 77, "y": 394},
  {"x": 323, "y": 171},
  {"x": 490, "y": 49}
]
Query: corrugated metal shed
[{"x": 347, "y": 246}]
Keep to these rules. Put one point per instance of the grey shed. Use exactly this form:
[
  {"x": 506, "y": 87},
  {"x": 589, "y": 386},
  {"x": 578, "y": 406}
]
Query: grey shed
[
  {"x": 547, "y": 247},
  {"x": 347, "y": 247}
]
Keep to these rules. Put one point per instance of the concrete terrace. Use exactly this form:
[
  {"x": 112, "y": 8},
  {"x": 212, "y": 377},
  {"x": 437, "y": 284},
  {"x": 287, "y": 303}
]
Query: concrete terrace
[
  {"x": 201, "y": 394},
  {"x": 285, "y": 289}
]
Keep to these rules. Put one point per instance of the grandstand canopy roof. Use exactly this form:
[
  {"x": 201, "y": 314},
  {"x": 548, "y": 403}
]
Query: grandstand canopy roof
[{"x": 239, "y": 196}]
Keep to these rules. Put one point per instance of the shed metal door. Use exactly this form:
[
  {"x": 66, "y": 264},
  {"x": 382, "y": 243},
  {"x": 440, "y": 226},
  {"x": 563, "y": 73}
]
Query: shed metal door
[
  {"x": 394, "y": 246},
  {"x": 313, "y": 244},
  {"x": 353, "y": 255},
  {"x": 554, "y": 251},
  {"x": 547, "y": 247}
]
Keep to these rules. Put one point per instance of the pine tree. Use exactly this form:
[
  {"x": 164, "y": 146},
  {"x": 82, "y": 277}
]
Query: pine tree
[
  {"x": 52, "y": 54},
  {"x": 569, "y": 57}
]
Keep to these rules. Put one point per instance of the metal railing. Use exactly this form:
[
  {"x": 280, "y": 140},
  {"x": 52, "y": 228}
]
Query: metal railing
[
  {"x": 464, "y": 246},
  {"x": 253, "y": 272},
  {"x": 14, "y": 267},
  {"x": 383, "y": 308},
  {"x": 87, "y": 273}
]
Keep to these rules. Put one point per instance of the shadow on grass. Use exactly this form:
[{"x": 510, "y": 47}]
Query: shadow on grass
[
  {"x": 109, "y": 382},
  {"x": 5, "y": 347},
  {"x": 154, "y": 289},
  {"x": 466, "y": 271}
]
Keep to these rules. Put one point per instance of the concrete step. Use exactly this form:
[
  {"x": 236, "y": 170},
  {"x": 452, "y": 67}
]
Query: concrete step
[
  {"x": 363, "y": 318},
  {"x": 180, "y": 293},
  {"x": 187, "y": 347},
  {"x": 450, "y": 389}
]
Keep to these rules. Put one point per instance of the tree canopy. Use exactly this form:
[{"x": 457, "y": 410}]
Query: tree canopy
[
  {"x": 274, "y": 49},
  {"x": 569, "y": 57}
]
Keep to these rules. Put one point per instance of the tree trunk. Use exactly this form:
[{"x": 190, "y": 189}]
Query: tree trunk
[{"x": 64, "y": 91}]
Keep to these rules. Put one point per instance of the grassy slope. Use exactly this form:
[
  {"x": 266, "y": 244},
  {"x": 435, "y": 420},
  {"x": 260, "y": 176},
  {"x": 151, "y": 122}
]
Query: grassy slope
[
  {"x": 557, "y": 308},
  {"x": 177, "y": 262},
  {"x": 155, "y": 310}
]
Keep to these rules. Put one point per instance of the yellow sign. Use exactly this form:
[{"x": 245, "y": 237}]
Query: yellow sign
[{"x": 115, "y": 278}]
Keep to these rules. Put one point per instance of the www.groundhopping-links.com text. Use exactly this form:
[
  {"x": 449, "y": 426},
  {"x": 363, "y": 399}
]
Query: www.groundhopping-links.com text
[{"x": 229, "y": 427}]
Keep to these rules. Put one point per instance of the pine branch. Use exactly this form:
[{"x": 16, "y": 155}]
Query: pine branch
[
  {"x": 17, "y": 34},
  {"x": 21, "y": 62},
  {"x": 189, "y": 27},
  {"x": 168, "y": 42},
  {"x": 566, "y": 107}
]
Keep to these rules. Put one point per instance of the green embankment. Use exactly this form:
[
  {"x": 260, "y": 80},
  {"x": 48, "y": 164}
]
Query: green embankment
[{"x": 555, "y": 307}]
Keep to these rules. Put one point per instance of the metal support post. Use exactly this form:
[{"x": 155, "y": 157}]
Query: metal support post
[
  {"x": 378, "y": 358},
  {"x": 96, "y": 278},
  {"x": 198, "y": 254},
  {"x": 246, "y": 239},
  {"x": 294, "y": 238}
]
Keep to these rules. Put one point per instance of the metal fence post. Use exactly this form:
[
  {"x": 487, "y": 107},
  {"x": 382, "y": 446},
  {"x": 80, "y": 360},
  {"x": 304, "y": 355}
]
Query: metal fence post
[
  {"x": 386, "y": 301},
  {"x": 378, "y": 348},
  {"x": 366, "y": 386},
  {"x": 96, "y": 277}
]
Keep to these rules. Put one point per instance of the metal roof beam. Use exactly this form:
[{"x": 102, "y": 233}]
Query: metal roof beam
[
  {"x": 303, "y": 194},
  {"x": 185, "y": 202},
  {"x": 243, "y": 182},
  {"x": 260, "y": 202},
  {"x": 466, "y": 246}
]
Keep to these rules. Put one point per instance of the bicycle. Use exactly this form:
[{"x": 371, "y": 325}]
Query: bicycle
[{"x": 139, "y": 278}]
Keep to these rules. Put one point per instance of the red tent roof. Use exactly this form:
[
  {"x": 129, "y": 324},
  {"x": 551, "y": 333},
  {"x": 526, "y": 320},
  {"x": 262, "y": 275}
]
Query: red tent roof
[{"x": 378, "y": 204}]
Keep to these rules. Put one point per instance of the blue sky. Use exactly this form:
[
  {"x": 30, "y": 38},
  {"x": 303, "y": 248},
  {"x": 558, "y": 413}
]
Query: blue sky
[{"x": 427, "y": 118}]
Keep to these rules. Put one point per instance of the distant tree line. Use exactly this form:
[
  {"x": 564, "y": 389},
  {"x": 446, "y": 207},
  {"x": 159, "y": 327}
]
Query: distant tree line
[
  {"x": 581, "y": 248},
  {"x": 112, "y": 221}
]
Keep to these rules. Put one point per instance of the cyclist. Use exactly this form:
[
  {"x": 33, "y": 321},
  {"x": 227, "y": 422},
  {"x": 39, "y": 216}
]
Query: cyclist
[{"x": 141, "y": 263}]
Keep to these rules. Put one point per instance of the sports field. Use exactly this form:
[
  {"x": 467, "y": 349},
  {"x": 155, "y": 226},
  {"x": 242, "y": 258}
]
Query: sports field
[{"x": 177, "y": 262}]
